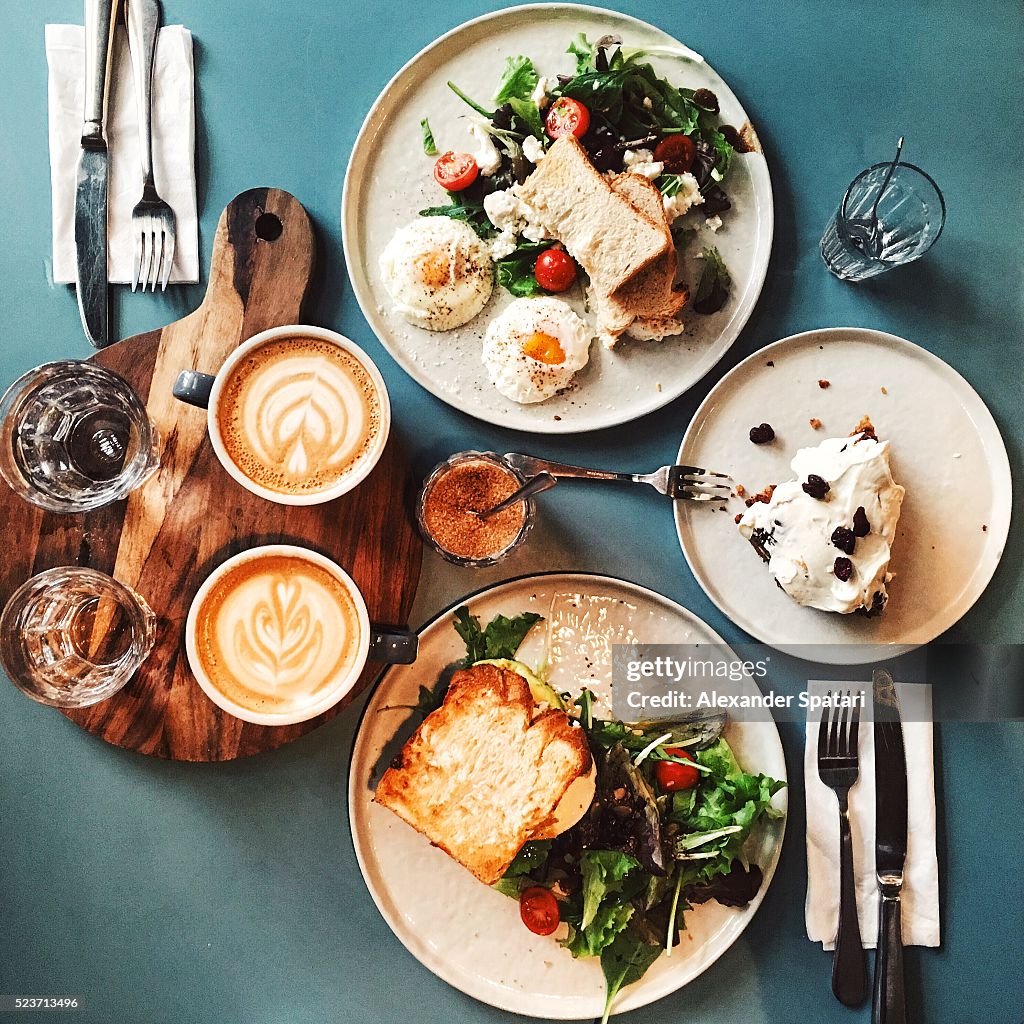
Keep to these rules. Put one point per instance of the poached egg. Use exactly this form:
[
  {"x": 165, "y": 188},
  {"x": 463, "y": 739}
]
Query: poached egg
[
  {"x": 535, "y": 348},
  {"x": 438, "y": 273}
]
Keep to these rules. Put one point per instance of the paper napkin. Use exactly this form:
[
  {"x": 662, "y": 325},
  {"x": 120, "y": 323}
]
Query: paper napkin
[
  {"x": 921, "y": 874},
  {"x": 173, "y": 148}
]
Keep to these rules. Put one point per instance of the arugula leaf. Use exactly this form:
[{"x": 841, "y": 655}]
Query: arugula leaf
[
  {"x": 430, "y": 700},
  {"x": 583, "y": 51},
  {"x": 472, "y": 103},
  {"x": 603, "y": 873},
  {"x": 610, "y": 920},
  {"x": 529, "y": 113},
  {"x": 518, "y": 80},
  {"x": 429, "y": 145},
  {"x": 625, "y": 961},
  {"x": 515, "y": 271},
  {"x": 500, "y": 639},
  {"x": 467, "y": 208},
  {"x": 713, "y": 287},
  {"x": 531, "y": 856}
]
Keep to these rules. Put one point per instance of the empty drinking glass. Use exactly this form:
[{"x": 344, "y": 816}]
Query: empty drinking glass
[
  {"x": 74, "y": 436},
  {"x": 73, "y": 636},
  {"x": 863, "y": 240}
]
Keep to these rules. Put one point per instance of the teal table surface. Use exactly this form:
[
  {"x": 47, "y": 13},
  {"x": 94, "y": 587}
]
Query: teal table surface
[{"x": 162, "y": 892}]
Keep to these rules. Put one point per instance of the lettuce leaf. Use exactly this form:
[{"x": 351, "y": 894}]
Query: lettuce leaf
[
  {"x": 500, "y": 639},
  {"x": 625, "y": 961},
  {"x": 518, "y": 80}
]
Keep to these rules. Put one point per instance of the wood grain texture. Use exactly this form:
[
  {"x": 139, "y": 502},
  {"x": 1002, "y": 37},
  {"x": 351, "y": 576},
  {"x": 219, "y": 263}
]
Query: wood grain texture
[{"x": 190, "y": 515}]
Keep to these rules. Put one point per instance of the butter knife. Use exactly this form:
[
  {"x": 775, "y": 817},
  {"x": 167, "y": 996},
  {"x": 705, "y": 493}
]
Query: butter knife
[
  {"x": 91, "y": 188},
  {"x": 888, "y": 1004}
]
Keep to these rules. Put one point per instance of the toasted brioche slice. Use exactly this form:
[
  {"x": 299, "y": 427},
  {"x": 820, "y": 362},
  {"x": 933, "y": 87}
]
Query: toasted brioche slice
[
  {"x": 482, "y": 774},
  {"x": 651, "y": 294},
  {"x": 601, "y": 228}
]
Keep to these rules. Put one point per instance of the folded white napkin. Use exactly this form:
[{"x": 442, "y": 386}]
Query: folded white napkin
[
  {"x": 921, "y": 873},
  {"x": 173, "y": 148}
]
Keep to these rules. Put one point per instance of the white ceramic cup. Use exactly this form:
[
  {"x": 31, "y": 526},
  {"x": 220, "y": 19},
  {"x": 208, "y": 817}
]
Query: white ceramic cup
[
  {"x": 204, "y": 390},
  {"x": 376, "y": 643}
]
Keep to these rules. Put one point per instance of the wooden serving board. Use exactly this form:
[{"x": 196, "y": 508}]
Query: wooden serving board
[{"x": 190, "y": 516}]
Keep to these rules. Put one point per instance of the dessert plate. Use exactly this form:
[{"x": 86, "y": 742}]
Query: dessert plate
[
  {"x": 389, "y": 181},
  {"x": 946, "y": 450},
  {"x": 470, "y": 935}
]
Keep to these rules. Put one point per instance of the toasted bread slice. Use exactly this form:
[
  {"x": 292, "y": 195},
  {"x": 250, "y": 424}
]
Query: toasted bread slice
[
  {"x": 610, "y": 238},
  {"x": 482, "y": 774},
  {"x": 651, "y": 294}
]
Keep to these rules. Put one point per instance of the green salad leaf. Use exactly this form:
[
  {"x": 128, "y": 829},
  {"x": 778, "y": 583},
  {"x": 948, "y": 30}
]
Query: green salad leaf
[
  {"x": 529, "y": 113},
  {"x": 714, "y": 284},
  {"x": 429, "y": 146},
  {"x": 609, "y": 920},
  {"x": 515, "y": 271},
  {"x": 603, "y": 874},
  {"x": 500, "y": 639},
  {"x": 624, "y": 961},
  {"x": 583, "y": 50},
  {"x": 482, "y": 111},
  {"x": 518, "y": 80},
  {"x": 469, "y": 208}
]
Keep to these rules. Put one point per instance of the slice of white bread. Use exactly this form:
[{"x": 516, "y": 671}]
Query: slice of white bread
[
  {"x": 607, "y": 235},
  {"x": 483, "y": 773},
  {"x": 650, "y": 294}
]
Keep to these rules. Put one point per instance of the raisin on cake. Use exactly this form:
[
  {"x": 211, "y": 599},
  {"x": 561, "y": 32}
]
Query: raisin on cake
[{"x": 827, "y": 535}]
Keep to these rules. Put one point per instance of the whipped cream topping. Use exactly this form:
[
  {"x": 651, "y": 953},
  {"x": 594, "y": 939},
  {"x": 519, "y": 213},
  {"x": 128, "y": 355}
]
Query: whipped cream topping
[{"x": 794, "y": 530}]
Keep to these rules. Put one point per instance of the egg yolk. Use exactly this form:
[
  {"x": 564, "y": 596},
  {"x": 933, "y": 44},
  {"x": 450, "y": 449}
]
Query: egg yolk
[
  {"x": 433, "y": 269},
  {"x": 545, "y": 348}
]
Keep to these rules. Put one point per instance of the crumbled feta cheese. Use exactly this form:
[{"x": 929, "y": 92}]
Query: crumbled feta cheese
[
  {"x": 540, "y": 92},
  {"x": 641, "y": 161},
  {"x": 647, "y": 103},
  {"x": 687, "y": 197},
  {"x": 713, "y": 223},
  {"x": 512, "y": 217},
  {"x": 533, "y": 149},
  {"x": 487, "y": 156},
  {"x": 503, "y": 245}
]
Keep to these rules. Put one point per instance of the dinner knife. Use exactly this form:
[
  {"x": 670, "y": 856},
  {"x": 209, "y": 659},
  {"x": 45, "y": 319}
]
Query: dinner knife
[
  {"x": 888, "y": 1004},
  {"x": 91, "y": 189}
]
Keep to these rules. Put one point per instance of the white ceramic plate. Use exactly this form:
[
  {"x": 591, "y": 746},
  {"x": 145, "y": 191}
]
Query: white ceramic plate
[
  {"x": 946, "y": 450},
  {"x": 468, "y": 934},
  {"x": 389, "y": 181}
]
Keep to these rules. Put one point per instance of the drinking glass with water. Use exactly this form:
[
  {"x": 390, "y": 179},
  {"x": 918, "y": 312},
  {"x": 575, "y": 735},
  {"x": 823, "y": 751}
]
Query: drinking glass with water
[
  {"x": 72, "y": 636},
  {"x": 74, "y": 437},
  {"x": 892, "y": 214}
]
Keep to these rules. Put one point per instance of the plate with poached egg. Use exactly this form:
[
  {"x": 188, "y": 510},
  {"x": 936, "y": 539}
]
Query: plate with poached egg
[{"x": 437, "y": 294}]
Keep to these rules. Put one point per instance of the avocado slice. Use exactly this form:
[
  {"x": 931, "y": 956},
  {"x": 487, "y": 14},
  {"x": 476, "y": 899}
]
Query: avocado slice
[{"x": 542, "y": 692}]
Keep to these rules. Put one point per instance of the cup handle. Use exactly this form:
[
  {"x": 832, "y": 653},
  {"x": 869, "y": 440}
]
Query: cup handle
[
  {"x": 194, "y": 388},
  {"x": 393, "y": 646}
]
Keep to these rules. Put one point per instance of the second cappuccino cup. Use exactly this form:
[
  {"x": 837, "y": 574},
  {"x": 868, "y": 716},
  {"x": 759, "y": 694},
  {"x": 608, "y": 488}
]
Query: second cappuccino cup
[{"x": 297, "y": 415}]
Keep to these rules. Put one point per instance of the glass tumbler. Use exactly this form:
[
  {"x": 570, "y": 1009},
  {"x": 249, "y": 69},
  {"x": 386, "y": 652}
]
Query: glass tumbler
[
  {"x": 75, "y": 436},
  {"x": 73, "y": 636},
  {"x": 910, "y": 216}
]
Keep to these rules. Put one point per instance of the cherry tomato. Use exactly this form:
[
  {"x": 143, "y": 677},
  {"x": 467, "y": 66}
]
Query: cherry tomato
[
  {"x": 455, "y": 171},
  {"x": 555, "y": 270},
  {"x": 567, "y": 116},
  {"x": 539, "y": 910},
  {"x": 676, "y": 152},
  {"x": 672, "y": 775}
]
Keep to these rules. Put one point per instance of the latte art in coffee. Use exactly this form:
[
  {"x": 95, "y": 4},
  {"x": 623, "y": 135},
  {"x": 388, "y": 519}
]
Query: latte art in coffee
[
  {"x": 276, "y": 632},
  {"x": 299, "y": 414}
]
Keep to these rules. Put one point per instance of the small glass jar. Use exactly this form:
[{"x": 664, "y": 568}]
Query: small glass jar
[{"x": 452, "y": 497}]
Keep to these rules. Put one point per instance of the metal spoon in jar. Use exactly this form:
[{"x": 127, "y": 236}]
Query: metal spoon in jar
[{"x": 541, "y": 482}]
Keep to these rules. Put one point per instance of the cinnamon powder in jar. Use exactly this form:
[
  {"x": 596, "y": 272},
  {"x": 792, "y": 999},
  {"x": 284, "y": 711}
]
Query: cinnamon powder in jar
[{"x": 451, "y": 507}]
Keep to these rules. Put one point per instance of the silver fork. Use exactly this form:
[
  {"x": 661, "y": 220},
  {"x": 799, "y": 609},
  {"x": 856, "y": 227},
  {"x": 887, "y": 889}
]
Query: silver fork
[
  {"x": 838, "y": 768},
  {"x": 678, "y": 482},
  {"x": 152, "y": 218}
]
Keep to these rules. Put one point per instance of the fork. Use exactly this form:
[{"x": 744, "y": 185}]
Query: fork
[
  {"x": 678, "y": 482},
  {"x": 838, "y": 768},
  {"x": 152, "y": 218}
]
